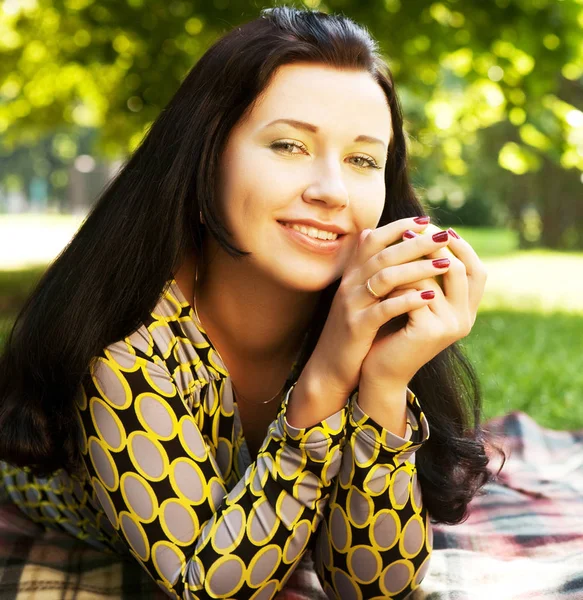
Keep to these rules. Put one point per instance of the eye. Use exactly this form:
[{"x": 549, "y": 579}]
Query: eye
[
  {"x": 371, "y": 161},
  {"x": 284, "y": 144}
]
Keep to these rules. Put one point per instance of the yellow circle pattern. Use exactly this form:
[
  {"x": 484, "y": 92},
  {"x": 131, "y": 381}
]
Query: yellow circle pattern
[
  {"x": 379, "y": 532},
  {"x": 166, "y": 478}
]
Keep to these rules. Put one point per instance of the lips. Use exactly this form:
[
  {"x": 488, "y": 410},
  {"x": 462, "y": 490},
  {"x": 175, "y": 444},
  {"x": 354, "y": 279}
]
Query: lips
[
  {"x": 312, "y": 244},
  {"x": 308, "y": 226}
]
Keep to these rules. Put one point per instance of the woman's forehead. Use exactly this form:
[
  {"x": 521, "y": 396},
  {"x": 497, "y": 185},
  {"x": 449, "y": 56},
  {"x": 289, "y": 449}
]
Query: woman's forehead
[{"x": 325, "y": 97}]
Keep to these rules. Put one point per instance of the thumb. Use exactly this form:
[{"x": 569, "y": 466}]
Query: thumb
[{"x": 363, "y": 235}]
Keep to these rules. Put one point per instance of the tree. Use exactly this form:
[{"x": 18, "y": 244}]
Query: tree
[{"x": 492, "y": 91}]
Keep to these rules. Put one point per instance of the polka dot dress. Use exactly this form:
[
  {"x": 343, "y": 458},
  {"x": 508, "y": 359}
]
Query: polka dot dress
[{"x": 167, "y": 478}]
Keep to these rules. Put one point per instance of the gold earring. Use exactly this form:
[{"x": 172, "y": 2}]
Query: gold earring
[{"x": 201, "y": 219}]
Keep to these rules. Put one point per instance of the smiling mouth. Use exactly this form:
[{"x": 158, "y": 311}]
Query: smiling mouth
[
  {"x": 312, "y": 244},
  {"x": 305, "y": 229}
]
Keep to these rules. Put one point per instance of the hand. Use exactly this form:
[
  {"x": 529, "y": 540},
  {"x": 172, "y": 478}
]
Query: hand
[
  {"x": 355, "y": 317},
  {"x": 396, "y": 355}
]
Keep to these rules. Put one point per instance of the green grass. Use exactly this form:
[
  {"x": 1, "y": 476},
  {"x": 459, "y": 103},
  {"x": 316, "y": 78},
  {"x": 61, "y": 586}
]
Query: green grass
[
  {"x": 530, "y": 362},
  {"x": 525, "y": 344},
  {"x": 16, "y": 285}
]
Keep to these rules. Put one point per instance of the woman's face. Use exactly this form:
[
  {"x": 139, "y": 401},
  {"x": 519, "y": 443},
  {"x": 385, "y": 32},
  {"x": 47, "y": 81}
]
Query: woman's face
[{"x": 276, "y": 173}]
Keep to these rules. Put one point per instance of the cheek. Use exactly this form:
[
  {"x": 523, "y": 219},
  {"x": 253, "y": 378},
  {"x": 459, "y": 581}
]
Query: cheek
[
  {"x": 254, "y": 189},
  {"x": 369, "y": 210},
  {"x": 237, "y": 191}
]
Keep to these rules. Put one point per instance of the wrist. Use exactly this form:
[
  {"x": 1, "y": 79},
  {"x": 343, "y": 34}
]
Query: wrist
[
  {"x": 379, "y": 385},
  {"x": 313, "y": 399},
  {"x": 320, "y": 379},
  {"x": 386, "y": 404}
]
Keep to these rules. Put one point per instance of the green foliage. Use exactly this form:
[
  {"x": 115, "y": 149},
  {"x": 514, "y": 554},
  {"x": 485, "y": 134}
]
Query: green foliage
[
  {"x": 492, "y": 91},
  {"x": 465, "y": 66},
  {"x": 476, "y": 211}
]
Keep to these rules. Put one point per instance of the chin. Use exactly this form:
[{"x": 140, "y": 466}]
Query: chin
[{"x": 309, "y": 279}]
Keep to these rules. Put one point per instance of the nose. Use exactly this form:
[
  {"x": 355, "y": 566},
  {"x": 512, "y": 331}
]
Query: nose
[{"x": 327, "y": 187}]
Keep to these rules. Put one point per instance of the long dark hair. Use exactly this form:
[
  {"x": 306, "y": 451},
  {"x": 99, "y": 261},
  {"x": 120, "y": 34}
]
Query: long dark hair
[{"x": 109, "y": 278}]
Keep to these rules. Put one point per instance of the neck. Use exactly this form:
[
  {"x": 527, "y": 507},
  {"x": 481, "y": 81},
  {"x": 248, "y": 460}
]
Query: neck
[{"x": 245, "y": 314}]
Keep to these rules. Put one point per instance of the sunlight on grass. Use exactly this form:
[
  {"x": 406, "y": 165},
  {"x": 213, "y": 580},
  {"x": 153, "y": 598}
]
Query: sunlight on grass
[
  {"x": 539, "y": 280},
  {"x": 535, "y": 280},
  {"x": 30, "y": 239}
]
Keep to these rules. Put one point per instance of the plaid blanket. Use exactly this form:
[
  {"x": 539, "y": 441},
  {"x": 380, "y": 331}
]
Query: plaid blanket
[{"x": 523, "y": 538}]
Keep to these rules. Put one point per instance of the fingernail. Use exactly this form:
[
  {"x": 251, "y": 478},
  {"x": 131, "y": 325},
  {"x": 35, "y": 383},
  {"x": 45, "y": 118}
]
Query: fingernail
[
  {"x": 441, "y": 263},
  {"x": 421, "y": 220},
  {"x": 455, "y": 235},
  {"x": 409, "y": 234},
  {"x": 428, "y": 295},
  {"x": 441, "y": 236},
  {"x": 363, "y": 235}
]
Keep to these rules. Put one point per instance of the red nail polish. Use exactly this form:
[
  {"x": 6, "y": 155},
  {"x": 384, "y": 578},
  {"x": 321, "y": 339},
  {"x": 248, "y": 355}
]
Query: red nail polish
[
  {"x": 441, "y": 263},
  {"x": 455, "y": 235},
  {"x": 441, "y": 236},
  {"x": 409, "y": 234},
  {"x": 421, "y": 220},
  {"x": 428, "y": 295}
]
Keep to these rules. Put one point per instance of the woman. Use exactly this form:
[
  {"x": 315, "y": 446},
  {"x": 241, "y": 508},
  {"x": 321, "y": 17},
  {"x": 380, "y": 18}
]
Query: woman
[{"x": 205, "y": 377}]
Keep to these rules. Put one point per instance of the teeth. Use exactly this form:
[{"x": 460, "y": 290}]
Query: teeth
[{"x": 313, "y": 232}]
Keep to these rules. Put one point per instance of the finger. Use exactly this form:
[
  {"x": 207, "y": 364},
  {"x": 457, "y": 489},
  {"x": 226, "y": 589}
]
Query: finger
[
  {"x": 384, "y": 236},
  {"x": 455, "y": 296},
  {"x": 389, "y": 308},
  {"x": 425, "y": 317},
  {"x": 475, "y": 270},
  {"x": 439, "y": 303},
  {"x": 421, "y": 284},
  {"x": 462, "y": 249},
  {"x": 409, "y": 275},
  {"x": 403, "y": 252}
]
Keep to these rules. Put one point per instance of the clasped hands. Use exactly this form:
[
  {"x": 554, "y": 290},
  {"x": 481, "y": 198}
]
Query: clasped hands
[{"x": 429, "y": 329}]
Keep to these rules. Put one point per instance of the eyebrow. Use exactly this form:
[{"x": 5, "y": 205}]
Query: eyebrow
[{"x": 314, "y": 129}]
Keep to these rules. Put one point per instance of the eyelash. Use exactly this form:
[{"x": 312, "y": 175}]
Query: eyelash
[{"x": 372, "y": 163}]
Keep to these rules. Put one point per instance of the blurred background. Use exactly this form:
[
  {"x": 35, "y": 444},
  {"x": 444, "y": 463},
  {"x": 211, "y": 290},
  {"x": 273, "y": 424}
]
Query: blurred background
[{"x": 492, "y": 94}]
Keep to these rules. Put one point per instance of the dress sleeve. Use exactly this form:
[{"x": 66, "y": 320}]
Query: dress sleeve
[
  {"x": 375, "y": 539},
  {"x": 158, "y": 481}
]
